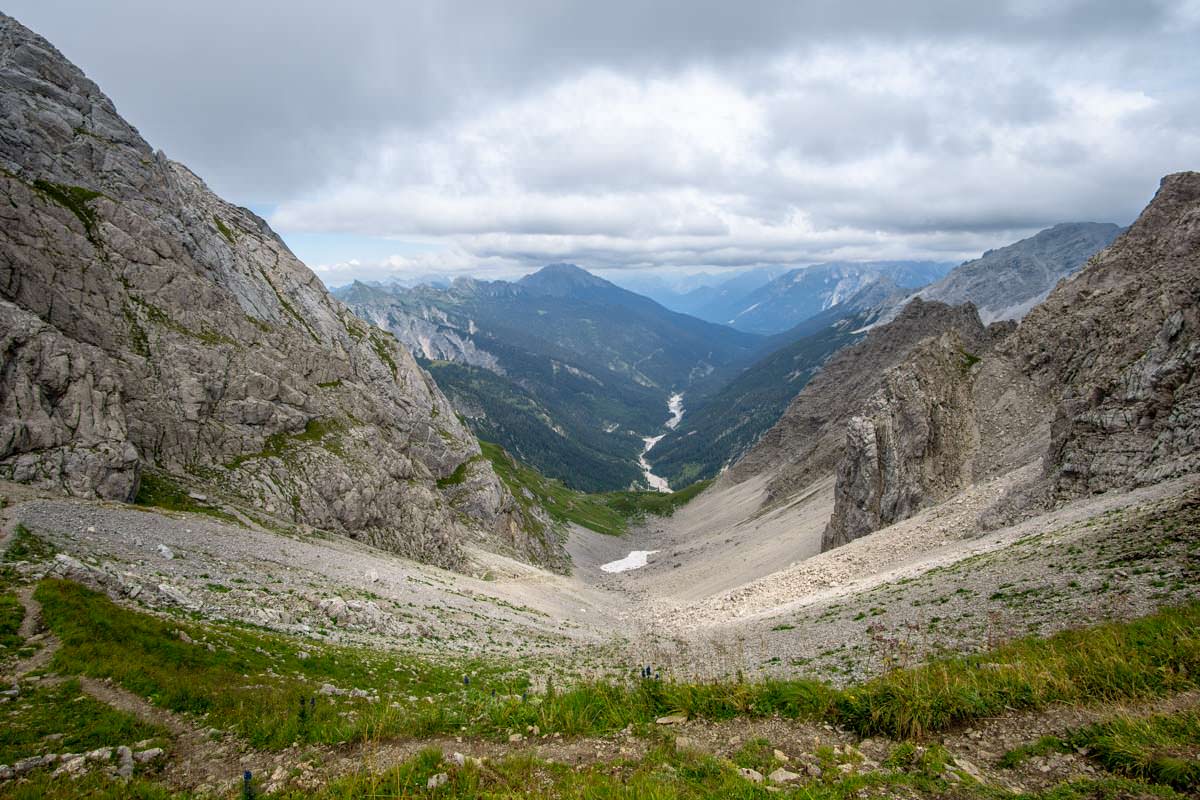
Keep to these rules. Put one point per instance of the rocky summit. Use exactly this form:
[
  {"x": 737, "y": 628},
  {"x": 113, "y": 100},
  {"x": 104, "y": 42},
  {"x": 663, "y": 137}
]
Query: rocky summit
[{"x": 148, "y": 327}]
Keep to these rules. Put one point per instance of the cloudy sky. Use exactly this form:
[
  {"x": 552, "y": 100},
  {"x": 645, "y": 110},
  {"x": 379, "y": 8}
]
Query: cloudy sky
[{"x": 409, "y": 138}]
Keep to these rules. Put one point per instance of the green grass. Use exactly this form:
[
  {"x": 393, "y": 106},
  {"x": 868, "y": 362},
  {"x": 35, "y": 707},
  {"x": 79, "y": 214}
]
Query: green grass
[
  {"x": 75, "y": 199},
  {"x": 1152, "y": 656},
  {"x": 1163, "y": 749},
  {"x": 11, "y": 615},
  {"x": 605, "y": 512},
  {"x": 283, "y": 444},
  {"x": 224, "y": 229},
  {"x": 84, "y": 724},
  {"x": 158, "y": 490},
  {"x": 94, "y": 786},
  {"x": 25, "y": 546},
  {"x": 250, "y": 682}
]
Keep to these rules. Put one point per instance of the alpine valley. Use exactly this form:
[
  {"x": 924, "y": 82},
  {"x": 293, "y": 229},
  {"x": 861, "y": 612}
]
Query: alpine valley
[{"x": 814, "y": 528}]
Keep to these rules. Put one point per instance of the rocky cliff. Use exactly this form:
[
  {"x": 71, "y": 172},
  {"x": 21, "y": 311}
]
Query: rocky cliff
[
  {"x": 1098, "y": 382},
  {"x": 145, "y": 324},
  {"x": 911, "y": 445},
  {"x": 810, "y": 439},
  {"x": 1116, "y": 348}
]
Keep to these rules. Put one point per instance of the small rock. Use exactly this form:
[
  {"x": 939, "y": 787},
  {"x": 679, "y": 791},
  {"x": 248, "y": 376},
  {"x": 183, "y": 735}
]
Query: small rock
[
  {"x": 515, "y": 737},
  {"x": 672, "y": 719},
  {"x": 124, "y": 762},
  {"x": 441, "y": 779},
  {"x": 99, "y": 754},
  {"x": 329, "y": 689},
  {"x": 302, "y": 655},
  {"x": 459, "y": 759},
  {"x": 845, "y": 768},
  {"x": 754, "y": 776},
  {"x": 145, "y": 756},
  {"x": 781, "y": 756},
  {"x": 165, "y": 552},
  {"x": 183, "y": 637},
  {"x": 782, "y": 775}
]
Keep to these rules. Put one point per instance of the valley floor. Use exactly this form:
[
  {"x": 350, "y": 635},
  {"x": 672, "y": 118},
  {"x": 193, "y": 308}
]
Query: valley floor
[{"x": 730, "y": 595}]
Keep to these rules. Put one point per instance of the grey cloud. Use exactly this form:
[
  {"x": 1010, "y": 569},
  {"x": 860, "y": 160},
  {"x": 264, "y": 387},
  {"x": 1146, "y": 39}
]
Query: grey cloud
[{"x": 452, "y": 120}]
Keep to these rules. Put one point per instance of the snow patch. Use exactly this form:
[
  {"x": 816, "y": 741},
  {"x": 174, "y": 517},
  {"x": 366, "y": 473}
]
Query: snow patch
[{"x": 635, "y": 560}]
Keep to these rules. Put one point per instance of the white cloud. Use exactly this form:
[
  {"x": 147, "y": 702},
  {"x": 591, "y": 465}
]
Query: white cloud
[{"x": 836, "y": 152}]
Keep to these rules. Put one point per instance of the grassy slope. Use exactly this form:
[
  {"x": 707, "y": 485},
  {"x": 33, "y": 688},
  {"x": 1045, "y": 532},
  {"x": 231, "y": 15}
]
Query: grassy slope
[
  {"x": 607, "y": 512},
  {"x": 251, "y": 682},
  {"x": 1153, "y": 656}
]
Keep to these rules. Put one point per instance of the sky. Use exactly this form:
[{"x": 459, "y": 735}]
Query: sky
[{"x": 403, "y": 140}]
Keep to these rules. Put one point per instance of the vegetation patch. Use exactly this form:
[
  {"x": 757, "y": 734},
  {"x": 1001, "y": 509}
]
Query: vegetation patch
[
  {"x": 604, "y": 512},
  {"x": 158, "y": 490},
  {"x": 283, "y": 444},
  {"x": 1163, "y": 748},
  {"x": 75, "y": 199},
  {"x": 76, "y": 722},
  {"x": 1149, "y": 657},
  {"x": 25, "y": 546},
  {"x": 224, "y": 229},
  {"x": 253, "y": 683}
]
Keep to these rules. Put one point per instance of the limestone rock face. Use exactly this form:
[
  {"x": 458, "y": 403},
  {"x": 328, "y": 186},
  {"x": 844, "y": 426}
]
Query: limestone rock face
[
  {"x": 149, "y": 324},
  {"x": 62, "y": 420},
  {"x": 810, "y": 439},
  {"x": 911, "y": 445},
  {"x": 1116, "y": 347}
]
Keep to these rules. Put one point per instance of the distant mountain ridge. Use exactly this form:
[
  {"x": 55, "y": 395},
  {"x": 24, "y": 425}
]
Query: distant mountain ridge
[
  {"x": 805, "y": 292},
  {"x": 1007, "y": 282},
  {"x": 564, "y": 369}
]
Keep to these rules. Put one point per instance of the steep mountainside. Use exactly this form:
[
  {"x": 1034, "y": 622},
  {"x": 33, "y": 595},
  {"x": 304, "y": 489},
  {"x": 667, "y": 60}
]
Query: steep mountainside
[
  {"x": 1099, "y": 381},
  {"x": 565, "y": 370},
  {"x": 1006, "y": 282},
  {"x": 810, "y": 437},
  {"x": 147, "y": 325},
  {"x": 723, "y": 423},
  {"x": 802, "y": 293}
]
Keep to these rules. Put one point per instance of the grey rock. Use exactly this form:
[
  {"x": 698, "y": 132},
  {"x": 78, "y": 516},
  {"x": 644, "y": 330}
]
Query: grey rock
[
  {"x": 809, "y": 440},
  {"x": 782, "y": 775},
  {"x": 437, "y": 781},
  {"x": 146, "y": 756},
  {"x": 124, "y": 762},
  {"x": 911, "y": 447},
  {"x": 754, "y": 776},
  {"x": 147, "y": 324}
]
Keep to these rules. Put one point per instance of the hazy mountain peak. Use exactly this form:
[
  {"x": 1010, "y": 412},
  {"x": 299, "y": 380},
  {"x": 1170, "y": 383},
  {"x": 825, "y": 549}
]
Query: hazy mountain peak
[{"x": 563, "y": 279}]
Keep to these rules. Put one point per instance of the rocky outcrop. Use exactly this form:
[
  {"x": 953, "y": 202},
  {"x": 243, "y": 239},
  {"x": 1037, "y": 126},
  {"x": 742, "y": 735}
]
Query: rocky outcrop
[
  {"x": 62, "y": 419},
  {"x": 1116, "y": 348},
  {"x": 148, "y": 324},
  {"x": 810, "y": 439},
  {"x": 1099, "y": 382},
  {"x": 911, "y": 445}
]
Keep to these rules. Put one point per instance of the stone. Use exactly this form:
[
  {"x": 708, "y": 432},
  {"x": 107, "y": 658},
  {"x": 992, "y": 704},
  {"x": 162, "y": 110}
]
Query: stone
[
  {"x": 124, "y": 762},
  {"x": 782, "y": 775},
  {"x": 672, "y": 719},
  {"x": 165, "y": 552},
  {"x": 99, "y": 754},
  {"x": 781, "y": 756},
  {"x": 437, "y": 781},
  {"x": 146, "y": 756},
  {"x": 754, "y": 776},
  {"x": 515, "y": 737}
]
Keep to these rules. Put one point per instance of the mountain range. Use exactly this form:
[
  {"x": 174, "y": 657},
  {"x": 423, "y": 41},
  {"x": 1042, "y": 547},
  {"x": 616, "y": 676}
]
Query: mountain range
[{"x": 564, "y": 369}]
